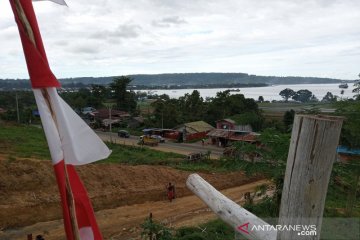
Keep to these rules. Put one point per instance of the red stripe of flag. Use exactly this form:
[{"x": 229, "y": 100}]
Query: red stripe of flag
[
  {"x": 42, "y": 77},
  {"x": 37, "y": 64},
  {"x": 84, "y": 210}
]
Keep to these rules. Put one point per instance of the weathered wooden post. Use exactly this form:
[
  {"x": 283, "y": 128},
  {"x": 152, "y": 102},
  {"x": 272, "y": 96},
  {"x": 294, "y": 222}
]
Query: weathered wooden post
[{"x": 311, "y": 156}]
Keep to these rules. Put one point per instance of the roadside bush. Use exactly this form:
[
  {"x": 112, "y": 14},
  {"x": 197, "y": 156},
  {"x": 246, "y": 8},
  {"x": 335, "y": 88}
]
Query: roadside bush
[{"x": 154, "y": 230}]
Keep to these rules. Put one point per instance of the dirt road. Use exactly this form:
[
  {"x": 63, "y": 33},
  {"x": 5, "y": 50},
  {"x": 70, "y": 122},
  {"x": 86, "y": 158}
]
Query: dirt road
[
  {"x": 181, "y": 148},
  {"x": 29, "y": 195},
  {"x": 123, "y": 222}
]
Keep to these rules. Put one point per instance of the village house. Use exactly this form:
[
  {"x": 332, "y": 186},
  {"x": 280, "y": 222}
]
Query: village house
[
  {"x": 194, "y": 130},
  {"x": 103, "y": 115},
  {"x": 228, "y": 131}
]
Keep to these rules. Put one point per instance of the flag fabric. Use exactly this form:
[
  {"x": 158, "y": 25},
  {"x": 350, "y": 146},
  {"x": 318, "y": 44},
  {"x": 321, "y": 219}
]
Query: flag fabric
[
  {"x": 61, "y": 2},
  {"x": 71, "y": 141}
]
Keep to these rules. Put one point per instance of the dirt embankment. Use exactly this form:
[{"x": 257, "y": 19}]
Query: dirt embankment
[{"x": 28, "y": 190}]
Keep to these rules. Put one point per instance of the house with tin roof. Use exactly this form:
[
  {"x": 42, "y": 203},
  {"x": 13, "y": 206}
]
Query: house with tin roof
[
  {"x": 194, "y": 130},
  {"x": 228, "y": 131}
]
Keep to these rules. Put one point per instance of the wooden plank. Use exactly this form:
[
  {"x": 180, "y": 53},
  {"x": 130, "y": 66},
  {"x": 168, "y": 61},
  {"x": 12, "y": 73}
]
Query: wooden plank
[
  {"x": 227, "y": 210},
  {"x": 311, "y": 156}
]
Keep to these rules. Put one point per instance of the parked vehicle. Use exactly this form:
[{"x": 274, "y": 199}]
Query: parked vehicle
[
  {"x": 123, "y": 134},
  {"x": 159, "y": 138},
  {"x": 148, "y": 140}
]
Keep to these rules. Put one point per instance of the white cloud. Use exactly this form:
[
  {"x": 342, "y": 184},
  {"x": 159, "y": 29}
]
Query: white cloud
[{"x": 107, "y": 37}]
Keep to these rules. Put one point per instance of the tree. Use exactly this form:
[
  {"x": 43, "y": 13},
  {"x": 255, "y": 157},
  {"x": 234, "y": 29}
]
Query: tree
[
  {"x": 287, "y": 93},
  {"x": 329, "y": 97},
  {"x": 125, "y": 100},
  {"x": 254, "y": 119},
  {"x": 192, "y": 106},
  {"x": 167, "y": 113},
  {"x": 350, "y": 135},
  {"x": 303, "y": 95},
  {"x": 261, "y": 99},
  {"x": 224, "y": 105},
  {"x": 314, "y": 98},
  {"x": 98, "y": 95}
]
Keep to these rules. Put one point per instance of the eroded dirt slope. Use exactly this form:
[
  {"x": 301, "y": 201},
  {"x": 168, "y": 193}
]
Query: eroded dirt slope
[{"x": 28, "y": 191}]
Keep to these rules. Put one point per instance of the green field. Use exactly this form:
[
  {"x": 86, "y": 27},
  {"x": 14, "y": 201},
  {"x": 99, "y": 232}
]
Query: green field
[{"x": 23, "y": 141}]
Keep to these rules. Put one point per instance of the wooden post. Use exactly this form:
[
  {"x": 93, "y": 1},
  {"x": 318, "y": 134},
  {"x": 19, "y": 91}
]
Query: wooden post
[
  {"x": 227, "y": 210},
  {"x": 311, "y": 156}
]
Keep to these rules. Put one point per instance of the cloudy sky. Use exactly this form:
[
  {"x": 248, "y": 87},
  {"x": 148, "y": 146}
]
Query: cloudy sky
[{"x": 113, "y": 37}]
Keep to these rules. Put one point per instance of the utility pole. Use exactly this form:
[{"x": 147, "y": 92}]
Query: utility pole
[
  {"x": 162, "y": 119},
  {"x": 110, "y": 123},
  {"x": 17, "y": 107}
]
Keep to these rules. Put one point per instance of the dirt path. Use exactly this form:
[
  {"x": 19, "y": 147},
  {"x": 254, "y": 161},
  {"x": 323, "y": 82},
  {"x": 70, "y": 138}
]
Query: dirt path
[
  {"x": 181, "y": 148},
  {"x": 123, "y": 222},
  {"x": 29, "y": 194}
]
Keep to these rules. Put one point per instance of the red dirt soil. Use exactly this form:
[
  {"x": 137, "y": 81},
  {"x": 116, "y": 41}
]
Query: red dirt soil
[{"x": 28, "y": 190}]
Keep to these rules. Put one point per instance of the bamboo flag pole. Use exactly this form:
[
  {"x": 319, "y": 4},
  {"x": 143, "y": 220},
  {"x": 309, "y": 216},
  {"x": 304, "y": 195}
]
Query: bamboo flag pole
[{"x": 69, "y": 194}]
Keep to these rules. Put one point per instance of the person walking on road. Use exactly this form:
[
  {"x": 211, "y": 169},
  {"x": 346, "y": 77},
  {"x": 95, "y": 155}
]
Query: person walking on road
[{"x": 170, "y": 192}]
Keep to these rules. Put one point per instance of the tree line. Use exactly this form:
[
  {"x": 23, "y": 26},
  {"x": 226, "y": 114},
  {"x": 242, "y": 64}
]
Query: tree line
[
  {"x": 166, "y": 112},
  {"x": 192, "y": 107}
]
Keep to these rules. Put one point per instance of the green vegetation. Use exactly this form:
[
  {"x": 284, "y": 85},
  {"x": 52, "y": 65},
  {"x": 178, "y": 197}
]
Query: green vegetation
[
  {"x": 255, "y": 119},
  {"x": 302, "y": 95},
  {"x": 154, "y": 230},
  {"x": 135, "y": 155},
  {"x": 192, "y": 107},
  {"x": 23, "y": 141},
  {"x": 26, "y": 104},
  {"x": 351, "y": 129},
  {"x": 125, "y": 100},
  {"x": 26, "y": 141},
  {"x": 212, "y": 230}
]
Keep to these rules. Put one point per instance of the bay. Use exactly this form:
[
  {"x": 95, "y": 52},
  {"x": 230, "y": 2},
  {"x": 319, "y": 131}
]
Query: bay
[{"x": 269, "y": 93}]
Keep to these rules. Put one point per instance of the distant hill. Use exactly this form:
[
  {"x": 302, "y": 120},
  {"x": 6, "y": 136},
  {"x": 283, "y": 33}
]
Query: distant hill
[{"x": 179, "y": 79}]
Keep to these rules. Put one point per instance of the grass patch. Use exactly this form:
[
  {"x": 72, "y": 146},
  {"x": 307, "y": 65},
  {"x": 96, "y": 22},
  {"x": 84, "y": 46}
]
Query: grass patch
[
  {"x": 342, "y": 183},
  {"x": 215, "y": 229},
  {"x": 134, "y": 155},
  {"x": 23, "y": 141}
]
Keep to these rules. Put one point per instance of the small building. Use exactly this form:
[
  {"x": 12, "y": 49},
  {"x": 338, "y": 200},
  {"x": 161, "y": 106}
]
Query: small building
[
  {"x": 194, "y": 130},
  {"x": 228, "y": 131},
  {"x": 115, "y": 114},
  {"x": 230, "y": 124},
  {"x": 103, "y": 115}
]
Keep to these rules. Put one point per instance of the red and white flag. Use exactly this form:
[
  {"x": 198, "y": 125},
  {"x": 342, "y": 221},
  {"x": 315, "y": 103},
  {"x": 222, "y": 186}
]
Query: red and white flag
[{"x": 71, "y": 141}]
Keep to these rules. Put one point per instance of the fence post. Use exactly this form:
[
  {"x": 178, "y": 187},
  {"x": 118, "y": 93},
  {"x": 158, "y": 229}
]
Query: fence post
[{"x": 311, "y": 156}]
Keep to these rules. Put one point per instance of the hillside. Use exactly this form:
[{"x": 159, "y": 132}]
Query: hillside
[{"x": 180, "y": 79}]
